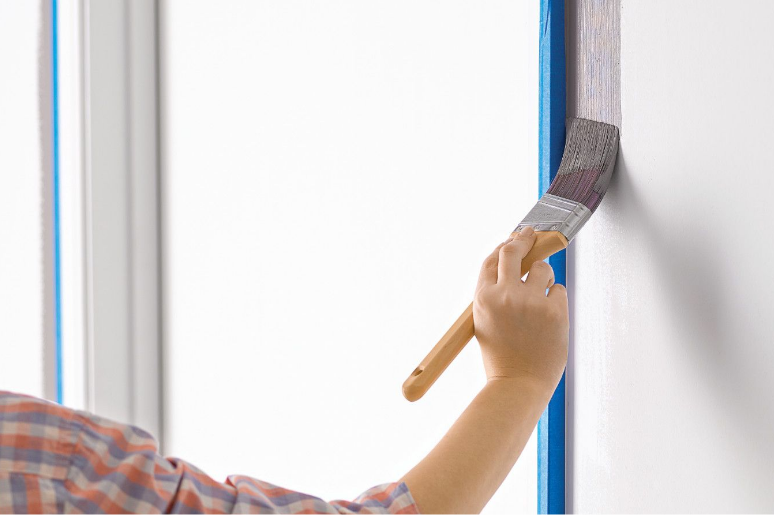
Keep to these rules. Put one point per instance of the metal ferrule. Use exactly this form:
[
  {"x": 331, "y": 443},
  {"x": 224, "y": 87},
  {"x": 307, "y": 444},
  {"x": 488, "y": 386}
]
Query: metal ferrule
[{"x": 553, "y": 213}]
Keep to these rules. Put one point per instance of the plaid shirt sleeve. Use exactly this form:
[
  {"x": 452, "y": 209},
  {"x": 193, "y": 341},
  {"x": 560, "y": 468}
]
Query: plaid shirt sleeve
[{"x": 57, "y": 460}]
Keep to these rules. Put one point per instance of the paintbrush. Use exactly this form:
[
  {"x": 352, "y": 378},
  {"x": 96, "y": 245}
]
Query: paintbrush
[{"x": 588, "y": 160}]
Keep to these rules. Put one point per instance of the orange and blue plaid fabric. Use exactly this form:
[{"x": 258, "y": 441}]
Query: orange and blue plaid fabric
[{"x": 57, "y": 460}]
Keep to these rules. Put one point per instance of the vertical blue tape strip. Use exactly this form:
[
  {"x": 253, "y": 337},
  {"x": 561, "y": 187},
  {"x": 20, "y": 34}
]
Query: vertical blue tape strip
[
  {"x": 55, "y": 178},
  {"x": 551, "y": 448}
]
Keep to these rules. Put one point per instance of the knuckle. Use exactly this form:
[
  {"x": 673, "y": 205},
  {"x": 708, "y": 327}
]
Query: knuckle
[
  {"x": 513, "y": 246},
  {"x": 490, "y": 262},
  {"x": 483, "y": 297},
  {"x": 541, "y": 265},
  {"x": 511, "y": 299},
  {"x": 551, "y": 315}
]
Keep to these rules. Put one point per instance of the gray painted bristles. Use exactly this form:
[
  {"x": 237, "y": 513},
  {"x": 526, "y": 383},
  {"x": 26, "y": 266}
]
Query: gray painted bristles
[{"x": 587, "y": 163}]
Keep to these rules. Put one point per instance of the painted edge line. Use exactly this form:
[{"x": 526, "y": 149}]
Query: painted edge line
[
  {"x": 552, "y": 112},
  {"x": 55, "y": 200}
]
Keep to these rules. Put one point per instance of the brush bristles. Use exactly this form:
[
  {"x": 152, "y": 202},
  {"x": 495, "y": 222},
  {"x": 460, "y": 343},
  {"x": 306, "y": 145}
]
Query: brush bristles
[{"x": 587, "y": 163}]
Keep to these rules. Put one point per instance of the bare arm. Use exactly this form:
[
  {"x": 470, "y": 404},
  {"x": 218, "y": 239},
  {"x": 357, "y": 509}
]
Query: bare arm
[{"x": 523, "y": 335}]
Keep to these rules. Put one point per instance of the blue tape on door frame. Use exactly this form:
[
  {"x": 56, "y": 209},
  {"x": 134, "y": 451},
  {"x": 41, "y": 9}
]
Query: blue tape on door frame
[
  {"x": 55, "y": 200},
  {"x": 551, "y": 449}
]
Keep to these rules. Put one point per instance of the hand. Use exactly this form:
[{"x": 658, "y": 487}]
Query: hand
[
  {"x": 523, "y": 332},
  {"x": 523, "y": 335}
]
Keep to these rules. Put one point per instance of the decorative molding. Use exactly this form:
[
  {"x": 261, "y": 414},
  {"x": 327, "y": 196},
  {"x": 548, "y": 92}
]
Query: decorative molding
[{"x": 111, "y": 270}]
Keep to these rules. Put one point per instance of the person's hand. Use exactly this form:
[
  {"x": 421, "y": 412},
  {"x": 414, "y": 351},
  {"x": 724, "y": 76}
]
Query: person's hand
[
  {"x": 523, "y": 332},
  {"x": 523, "y": 335}
]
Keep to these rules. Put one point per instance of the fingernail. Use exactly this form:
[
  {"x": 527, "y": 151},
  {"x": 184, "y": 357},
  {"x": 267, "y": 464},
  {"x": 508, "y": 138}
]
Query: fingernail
[{"x": 527, "y": 231}]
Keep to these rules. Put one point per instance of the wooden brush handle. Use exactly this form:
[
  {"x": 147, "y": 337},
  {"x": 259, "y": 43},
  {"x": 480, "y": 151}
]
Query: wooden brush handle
[{"x": 459, "y": 334}]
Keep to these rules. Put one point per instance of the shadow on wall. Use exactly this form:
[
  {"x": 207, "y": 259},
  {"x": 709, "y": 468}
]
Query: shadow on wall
[{"x": 685, "y": 254}]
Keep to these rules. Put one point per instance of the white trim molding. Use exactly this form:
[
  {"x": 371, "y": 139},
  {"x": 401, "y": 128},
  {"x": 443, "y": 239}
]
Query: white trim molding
[{"x": 110, "y": 214}]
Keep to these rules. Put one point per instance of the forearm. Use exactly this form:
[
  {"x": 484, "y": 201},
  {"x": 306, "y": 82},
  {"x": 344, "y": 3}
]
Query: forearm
[{"x": 467, "y": 466}]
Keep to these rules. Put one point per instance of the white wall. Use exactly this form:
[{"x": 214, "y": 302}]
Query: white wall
[
  {"x": 672, "y": 399},
  {"x": 334, "y": 174},
  {"x": 22, "y": 208}
]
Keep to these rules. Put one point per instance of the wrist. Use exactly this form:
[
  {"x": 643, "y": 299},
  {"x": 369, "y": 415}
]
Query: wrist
[
  {"x": 524, "y": 373},
  {"x": 523, "y": 385}
]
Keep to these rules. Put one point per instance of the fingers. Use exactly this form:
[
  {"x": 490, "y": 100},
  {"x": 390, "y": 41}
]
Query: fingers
[
  {"x": 511, "y": 254},
  {"x": 541, "y": 276},
  {"x": 488, "y": 273},
  {"x": 557, "y": 293}
]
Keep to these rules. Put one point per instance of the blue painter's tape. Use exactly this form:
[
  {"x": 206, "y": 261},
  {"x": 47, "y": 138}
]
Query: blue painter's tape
[
  {"x": 551, "y": 443},
  {"x": 55, "y": 179}
]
